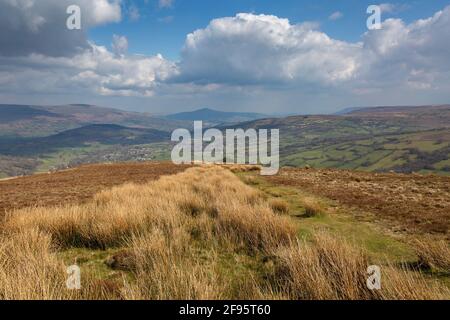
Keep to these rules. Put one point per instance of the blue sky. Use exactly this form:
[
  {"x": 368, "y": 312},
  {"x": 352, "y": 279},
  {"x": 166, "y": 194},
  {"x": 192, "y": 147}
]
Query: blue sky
[
  {"x": 164, "y": 30},
  {"x": 268, "y": 56}
]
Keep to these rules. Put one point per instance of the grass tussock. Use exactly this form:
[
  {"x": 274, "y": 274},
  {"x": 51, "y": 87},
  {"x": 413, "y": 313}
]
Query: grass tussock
[
  {"x": 279, "y": 206},
  {"x": 169, "y": 271},
  {"x": 20, "y": 254},
  {"x": 30, "y": 270},
  {"x": 433, "y": 254},
  {"x": 313, "y": 208},
  {"x": 237, "y": 168},
  {"x": 201, "y": 234},
  {"x": 326, "y": 269},
  {"x": 251, "y": 180},
  {"x": 332, "y": 269},
  {"x": 404, "y": 284}
]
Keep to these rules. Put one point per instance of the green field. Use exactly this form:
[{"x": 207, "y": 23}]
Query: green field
[
  {"x": 421, "y": 152},
  {"x": 408, "y": 141}
]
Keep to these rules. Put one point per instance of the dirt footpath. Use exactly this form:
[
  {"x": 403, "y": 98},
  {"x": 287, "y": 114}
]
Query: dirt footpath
[{"x": 412, "y": 202}]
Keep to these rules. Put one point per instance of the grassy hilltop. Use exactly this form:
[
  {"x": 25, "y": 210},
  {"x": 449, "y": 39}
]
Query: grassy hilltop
[{"x": 211, "y": 233}]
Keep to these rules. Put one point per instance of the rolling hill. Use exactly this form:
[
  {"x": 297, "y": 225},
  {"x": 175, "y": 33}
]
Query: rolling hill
[
  {"x": 421, "y": 117},
  {"x": 211, "y": 117},
  {"x": 92, "y": 143},
  {"x": 105, "y": 134},
  {"x": 403, "y": 139},
  {"x": 380, "y": 139},
  {"x": 12, "y": 113},
  {"x": 41, "y": 121}
]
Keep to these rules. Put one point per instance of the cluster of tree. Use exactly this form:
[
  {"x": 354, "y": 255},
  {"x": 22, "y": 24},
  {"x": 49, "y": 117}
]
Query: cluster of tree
[{"x": 424, "y": 160}]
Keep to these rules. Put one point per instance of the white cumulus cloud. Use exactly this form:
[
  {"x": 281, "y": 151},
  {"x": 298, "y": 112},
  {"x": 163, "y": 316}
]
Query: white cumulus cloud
[
  {"x": 39, "y": 26},
  {"x": 120, "y": 44},
  {"x": 256, "y": 59},
  {"x": 249, "y": 49}
]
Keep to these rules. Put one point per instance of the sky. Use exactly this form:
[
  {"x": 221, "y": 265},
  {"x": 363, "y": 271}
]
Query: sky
[{"x": 267, "y": 56}]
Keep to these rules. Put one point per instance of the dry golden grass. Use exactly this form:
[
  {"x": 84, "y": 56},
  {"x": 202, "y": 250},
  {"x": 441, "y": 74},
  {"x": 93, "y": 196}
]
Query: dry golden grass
[
  {"x": 168, "y": 270},
  {"x": 170, "y": 202},
  {"x": 432, "y": 253},
  {"x": 201, "y": 234},
  {"x": 204, "y": 204},
  {"x": 79, "y": 184},
  {"x": 279, "y": 206},
  {"x": 327, "y": 269},
  {"x": 312, "y": 207},
  {"x": 241, "y": 167},
  {"x": 30, "y": 270},
  {"x": 332, "y": 269},
  {"x": 251, "y": 180},
  {"x": 404, "y": 284}
]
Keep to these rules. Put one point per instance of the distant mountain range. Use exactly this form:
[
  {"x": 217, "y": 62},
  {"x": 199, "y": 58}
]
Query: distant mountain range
[
  {"x": 216, "y": 117},
  {"x": 403, "y": 139},
  {"x": 383, "y": 110},
  {"x": 347, "y": 111},
  {"x": 11, "y": 113},
  {"x": 41, "y": 121}
]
